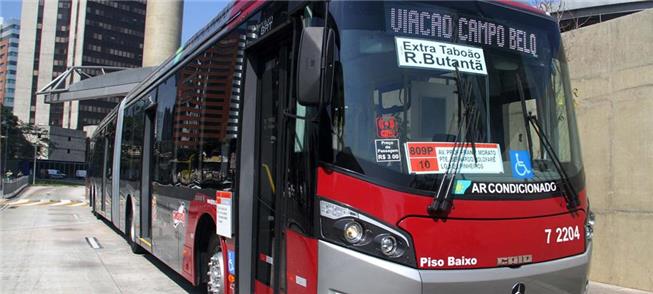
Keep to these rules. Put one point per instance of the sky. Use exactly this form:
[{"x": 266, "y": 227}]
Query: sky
[{"x": 197, "y": 13}]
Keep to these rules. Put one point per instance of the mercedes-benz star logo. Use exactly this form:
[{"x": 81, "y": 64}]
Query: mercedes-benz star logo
[{"x": 519, "y": 288}]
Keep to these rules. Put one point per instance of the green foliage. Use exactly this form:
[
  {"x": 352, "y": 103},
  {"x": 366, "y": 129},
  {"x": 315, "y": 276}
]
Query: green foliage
[
  {"x": 22, "y": 137},
  {"x": 48, "y": 182}
]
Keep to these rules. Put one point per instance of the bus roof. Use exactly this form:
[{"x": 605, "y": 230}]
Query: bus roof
[{"x": 234, "y": 13}]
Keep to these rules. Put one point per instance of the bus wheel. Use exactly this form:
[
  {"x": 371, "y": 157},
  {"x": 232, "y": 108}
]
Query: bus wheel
[
  {"x": 215, "y": 279},
  {"x": 131, "y": 235}
]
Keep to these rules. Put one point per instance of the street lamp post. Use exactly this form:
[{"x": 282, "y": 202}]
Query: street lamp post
[
  {"x": 36, "y": 136},
  {"x": 6, "y": 148},
  {"x": 2, "y": 162},
  {"x": 3, "y": 166},
  {"x": 34, "y": 170}
]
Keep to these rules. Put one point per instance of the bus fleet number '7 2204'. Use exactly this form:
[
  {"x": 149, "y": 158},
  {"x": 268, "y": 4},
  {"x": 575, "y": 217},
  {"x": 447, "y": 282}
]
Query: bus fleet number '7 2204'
[{"x": 564, "y": 234}]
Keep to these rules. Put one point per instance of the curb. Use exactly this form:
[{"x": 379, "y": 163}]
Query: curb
[
  {"x": 601, "y": 288},
  {"x": 14, "y": 193}
]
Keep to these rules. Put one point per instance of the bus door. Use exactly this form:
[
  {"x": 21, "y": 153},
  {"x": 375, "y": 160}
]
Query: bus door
[
  {"x": 146, "y": 191},
  {"x": 271, "y": 64},
  {"x": 104, "y": 173}
]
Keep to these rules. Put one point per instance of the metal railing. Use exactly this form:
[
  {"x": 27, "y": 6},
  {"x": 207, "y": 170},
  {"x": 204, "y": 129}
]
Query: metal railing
[{"x": 12, "y": 186}]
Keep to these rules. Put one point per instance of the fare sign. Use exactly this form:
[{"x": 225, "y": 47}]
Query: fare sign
[
  {"x": 436, "y": 157},
  {"x": 223, "y": 213}
]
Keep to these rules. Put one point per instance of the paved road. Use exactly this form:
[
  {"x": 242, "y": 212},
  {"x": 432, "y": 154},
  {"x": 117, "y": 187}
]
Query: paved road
[{"x": 42, "y": 236}]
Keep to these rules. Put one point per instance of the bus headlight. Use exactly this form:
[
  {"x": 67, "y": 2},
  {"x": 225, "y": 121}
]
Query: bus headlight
[
  {"x": 388, "y": 245},
  {"x": 346, "y": 227},
  {"x": 589, "y": 225},
  {"x": 353, "y": 232}
]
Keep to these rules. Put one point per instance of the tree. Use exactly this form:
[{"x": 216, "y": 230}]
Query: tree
[
  {"x": 21, "y": 138},
  {"x": 558, "y": 10}
]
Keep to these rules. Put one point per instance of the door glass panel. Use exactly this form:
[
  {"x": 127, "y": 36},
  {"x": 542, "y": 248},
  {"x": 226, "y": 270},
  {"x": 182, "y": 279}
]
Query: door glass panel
[
  {"x": 268, "y": 101},
  {"x": 146, "y": 195}
]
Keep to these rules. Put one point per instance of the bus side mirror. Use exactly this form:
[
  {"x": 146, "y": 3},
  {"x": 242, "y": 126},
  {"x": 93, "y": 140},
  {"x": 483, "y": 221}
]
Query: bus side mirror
[{"x": 309, "y": 67}]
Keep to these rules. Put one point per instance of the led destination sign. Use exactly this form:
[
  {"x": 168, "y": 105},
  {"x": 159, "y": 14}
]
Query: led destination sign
[{"x": 431, "y": 23}]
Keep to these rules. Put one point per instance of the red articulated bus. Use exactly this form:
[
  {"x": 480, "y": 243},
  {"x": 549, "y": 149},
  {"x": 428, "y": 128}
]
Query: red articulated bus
[{"x": 355, "y": 147}]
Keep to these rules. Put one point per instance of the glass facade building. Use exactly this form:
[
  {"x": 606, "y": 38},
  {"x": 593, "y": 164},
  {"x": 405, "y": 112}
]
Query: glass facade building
[
  {"x": 9, "y": 34},
  {"x": 74, "y": 33}
]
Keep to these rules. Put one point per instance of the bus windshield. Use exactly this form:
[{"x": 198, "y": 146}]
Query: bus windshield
[{"x": 413, "y": 79}]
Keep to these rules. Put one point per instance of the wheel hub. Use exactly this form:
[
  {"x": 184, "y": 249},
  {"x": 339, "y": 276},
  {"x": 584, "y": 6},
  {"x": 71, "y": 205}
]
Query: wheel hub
[{"x": 215, "y": 281}]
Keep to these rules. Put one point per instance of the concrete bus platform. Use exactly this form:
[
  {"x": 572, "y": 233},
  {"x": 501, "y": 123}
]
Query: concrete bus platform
[{"x": 43, "y": 236}]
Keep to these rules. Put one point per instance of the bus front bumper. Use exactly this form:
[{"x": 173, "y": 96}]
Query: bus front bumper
[{"x": 346, "y": 271}]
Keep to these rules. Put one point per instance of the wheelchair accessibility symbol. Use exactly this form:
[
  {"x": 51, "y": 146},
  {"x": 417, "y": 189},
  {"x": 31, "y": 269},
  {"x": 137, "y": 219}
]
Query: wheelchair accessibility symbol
[{"x": 520, "y": 162}]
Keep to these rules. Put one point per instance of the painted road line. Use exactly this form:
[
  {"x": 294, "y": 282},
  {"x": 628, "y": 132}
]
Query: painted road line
[
  {"x": 41, "y": 202},
  {"x": 62, "y": 202},
  {"x": 18, "y": 202},
  {"x": 78, "y": 204},
  {"x": 93, "y": 242},
  {"x": 48, "y": 202}
]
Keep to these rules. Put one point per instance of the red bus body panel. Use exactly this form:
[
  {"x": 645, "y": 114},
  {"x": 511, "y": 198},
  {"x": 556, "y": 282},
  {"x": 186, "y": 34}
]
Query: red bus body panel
[
  {"x": 457, "y": 242},
  {"x": 482, "y": 229},
  {"x": 301, "y": 263},
  {"x": 391, "y": 206},
  {"x": 198, "y": 207},
  {"x": 239, "y": 11}
]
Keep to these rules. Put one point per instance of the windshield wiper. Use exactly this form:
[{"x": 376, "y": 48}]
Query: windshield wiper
[
  {"x": 442, "y": 200},
  {"x": 569, "y": 193},
  {"x": 525, "y": 115}
]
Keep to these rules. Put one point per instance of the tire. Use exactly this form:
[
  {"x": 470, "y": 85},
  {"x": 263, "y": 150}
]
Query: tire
[
  {"x": 131, "y": 239},
  {"x": 212, "y": 268}
]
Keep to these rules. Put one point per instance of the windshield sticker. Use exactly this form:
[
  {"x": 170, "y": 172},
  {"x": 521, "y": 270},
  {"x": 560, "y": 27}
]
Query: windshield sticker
[
  {"x": 437, "y": 55},
  {"x": 386, "y": 127},
  {"x": 387, "y": 150},
  {"x": 467, "y": 187},
  {"x": 426, "y": 22},
  {"x": 520, "y": 162},
  {"x": 461, "y": 187},
  {"x": 435, "y": 158}
]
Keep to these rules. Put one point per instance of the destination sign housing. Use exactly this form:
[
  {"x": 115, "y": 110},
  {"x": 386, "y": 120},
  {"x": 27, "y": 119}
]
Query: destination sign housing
[{"x": 444, "y": 25}]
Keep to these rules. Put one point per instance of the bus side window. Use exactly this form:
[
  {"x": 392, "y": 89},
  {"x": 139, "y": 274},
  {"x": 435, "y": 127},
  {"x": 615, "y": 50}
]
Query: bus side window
[{"x": 163, "y": 151}]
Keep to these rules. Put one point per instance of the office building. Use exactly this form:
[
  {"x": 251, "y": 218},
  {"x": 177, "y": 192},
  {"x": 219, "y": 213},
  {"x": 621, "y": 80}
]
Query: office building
[
  {"x": 9, "y": 33},
  {"x": 59, "y": 34}
]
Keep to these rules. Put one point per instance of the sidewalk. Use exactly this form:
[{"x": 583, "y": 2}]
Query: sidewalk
[{"x": 600, "y": 288}]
